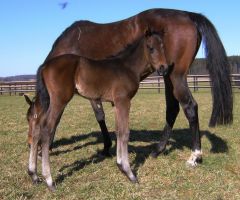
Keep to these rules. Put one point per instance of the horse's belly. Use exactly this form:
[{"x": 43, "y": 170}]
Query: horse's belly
[{"x": 93, "y": 92}]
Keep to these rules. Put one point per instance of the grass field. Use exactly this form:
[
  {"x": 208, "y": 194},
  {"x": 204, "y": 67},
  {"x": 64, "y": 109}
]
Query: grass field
[{"x": 80, "y": 173}]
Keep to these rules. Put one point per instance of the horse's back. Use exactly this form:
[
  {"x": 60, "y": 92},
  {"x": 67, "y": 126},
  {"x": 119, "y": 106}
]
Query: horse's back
[{"x": 100, "y": 41}]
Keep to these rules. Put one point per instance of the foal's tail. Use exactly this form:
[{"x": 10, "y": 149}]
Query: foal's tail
[
  {"x": 219, "y": 70},
  {"x": 41, "y": 90}
]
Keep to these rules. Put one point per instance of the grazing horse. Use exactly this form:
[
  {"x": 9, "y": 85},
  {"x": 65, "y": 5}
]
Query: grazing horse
[
  {"x": 182, "y": 33},
  {"x": 115, "y": 80}
]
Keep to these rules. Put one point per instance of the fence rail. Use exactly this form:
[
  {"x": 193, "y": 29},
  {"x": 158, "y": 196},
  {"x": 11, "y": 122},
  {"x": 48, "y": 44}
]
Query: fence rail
[{"x": 195, "y": 82}]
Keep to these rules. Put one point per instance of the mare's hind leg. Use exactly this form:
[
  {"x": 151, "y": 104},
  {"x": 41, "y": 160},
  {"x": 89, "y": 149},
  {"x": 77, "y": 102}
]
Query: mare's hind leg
[
  {"x": 171, "y": 115},
  {"x": 190, "y": 108},
  {"x": 122, "y": 108},
  {"x": 100, "y": 116}
]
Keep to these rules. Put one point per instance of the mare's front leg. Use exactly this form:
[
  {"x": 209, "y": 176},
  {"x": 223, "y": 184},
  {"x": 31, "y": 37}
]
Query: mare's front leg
[
  {"x": 190, "y": 108},
  {"x": 172, "y": 111},
  {"x": 100, "y": 116},
  {"x": 122, "y": 108}
]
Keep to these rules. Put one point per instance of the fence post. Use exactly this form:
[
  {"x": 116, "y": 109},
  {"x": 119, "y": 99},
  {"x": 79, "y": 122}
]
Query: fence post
[
  {"x": 194, "y": 84},
  {"x": 158, "y": 84}
]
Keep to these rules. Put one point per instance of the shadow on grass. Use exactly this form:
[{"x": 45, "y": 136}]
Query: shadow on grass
[{"x": 179, "y": 139}]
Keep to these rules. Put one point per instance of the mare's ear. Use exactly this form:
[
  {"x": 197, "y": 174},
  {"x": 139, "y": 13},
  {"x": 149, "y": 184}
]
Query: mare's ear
[
  {"x": 27, "y": 100},
  {"x": 148, "y": 32}
]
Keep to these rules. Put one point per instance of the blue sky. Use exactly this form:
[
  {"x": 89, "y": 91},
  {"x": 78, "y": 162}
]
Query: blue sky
[{"x": 29, "y": 28}]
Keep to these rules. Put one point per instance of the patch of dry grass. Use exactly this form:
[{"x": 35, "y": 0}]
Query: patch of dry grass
[{"x": 82, "y": 174}]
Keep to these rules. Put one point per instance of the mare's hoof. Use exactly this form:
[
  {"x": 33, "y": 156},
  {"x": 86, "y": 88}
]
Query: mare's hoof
[
  {"x": 159, "y": 149},
  {"x": 52, "y": 187},
  {"x": 193, "y": 163},
  {"x": 195, "y": 158},
  {"x": 155, "y": 154}
]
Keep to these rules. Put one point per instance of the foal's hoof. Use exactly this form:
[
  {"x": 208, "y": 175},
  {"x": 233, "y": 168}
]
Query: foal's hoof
[
  {"x": 131, "y": 177},
  {"x": 52, "y": 187},
  {"x": 36, "y": 181}
]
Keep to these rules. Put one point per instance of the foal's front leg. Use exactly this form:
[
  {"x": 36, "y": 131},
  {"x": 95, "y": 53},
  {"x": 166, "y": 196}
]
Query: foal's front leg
[
  {"x": 47, "y": 130},
  {"x": 122, "y": 108},
  {"x": 32, "y": 165}
]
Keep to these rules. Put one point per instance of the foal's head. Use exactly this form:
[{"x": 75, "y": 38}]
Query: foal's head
[
  {"x": 154, "y": 49},
  {"x": 31, "y": 118}
]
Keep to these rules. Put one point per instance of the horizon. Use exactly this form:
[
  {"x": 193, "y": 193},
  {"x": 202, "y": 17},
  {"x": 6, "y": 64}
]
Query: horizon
[{"x": 32, "y": 28}]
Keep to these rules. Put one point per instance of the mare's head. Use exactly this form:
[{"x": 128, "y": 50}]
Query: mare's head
[
  {"x": 154, "y": 50},
  {"x": 31, "y": 117}
]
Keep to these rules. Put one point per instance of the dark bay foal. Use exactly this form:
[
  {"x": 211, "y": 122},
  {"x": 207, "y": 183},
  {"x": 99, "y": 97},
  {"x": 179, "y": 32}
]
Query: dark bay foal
[{"x": 115, "y": 80}]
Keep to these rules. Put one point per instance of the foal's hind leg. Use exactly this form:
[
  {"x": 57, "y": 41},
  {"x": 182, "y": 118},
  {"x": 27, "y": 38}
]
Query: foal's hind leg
[
  {"x": 100, "y": 116},
  {"x": 122, "y": 108},
  {"x": 172, "y": 111},
  {"x": 190, "y": 108},
  {"x": 54, "y": 131}
]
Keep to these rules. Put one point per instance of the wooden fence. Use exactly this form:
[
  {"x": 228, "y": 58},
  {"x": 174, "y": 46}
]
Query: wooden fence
[{"x": 195, "y": 82}]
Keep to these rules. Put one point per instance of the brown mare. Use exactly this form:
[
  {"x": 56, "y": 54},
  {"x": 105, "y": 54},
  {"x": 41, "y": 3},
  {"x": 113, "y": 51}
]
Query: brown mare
[
  {"x": 182, "y": 33},
  {"x": 115, "y": 80}
]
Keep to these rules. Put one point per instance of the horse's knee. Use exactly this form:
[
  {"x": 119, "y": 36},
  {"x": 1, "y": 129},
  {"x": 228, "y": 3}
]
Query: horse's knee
[
  {"x": 192, "y": 112},
  {"x": 100, "y": 116}
]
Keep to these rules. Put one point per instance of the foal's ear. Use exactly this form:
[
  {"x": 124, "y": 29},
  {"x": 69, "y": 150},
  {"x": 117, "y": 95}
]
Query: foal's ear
[
  {"x": 27, "y": 100},
  {"x": 148, "y": 32}
]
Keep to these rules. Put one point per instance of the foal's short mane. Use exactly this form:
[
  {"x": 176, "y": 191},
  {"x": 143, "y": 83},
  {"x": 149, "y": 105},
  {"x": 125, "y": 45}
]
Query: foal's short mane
[
  {"x": 129, "y": 48},
  {"x": 41, "y": 90}
]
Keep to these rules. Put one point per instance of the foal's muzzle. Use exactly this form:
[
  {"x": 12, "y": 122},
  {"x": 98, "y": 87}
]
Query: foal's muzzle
[{"x": 163, "y": 70}]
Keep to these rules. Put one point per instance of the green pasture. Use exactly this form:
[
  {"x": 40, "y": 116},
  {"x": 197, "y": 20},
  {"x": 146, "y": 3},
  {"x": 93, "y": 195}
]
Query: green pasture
[{"x": 81, "y": 173}]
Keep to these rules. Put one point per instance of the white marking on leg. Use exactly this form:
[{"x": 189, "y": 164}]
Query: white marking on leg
[
  {"x": 192, "y": 161},
  {"x": 119, "y": 156},
  {"x": 32, "y": 166},
  {"x": 49, "y": 181}
]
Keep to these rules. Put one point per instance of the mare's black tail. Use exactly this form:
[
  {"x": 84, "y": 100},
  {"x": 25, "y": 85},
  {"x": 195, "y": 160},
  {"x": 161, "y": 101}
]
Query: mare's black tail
[
  {"x": 219, "y": 70},
  {"x": 41, "y": 90}
]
